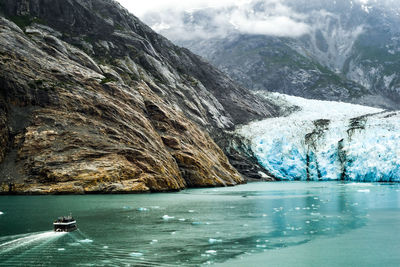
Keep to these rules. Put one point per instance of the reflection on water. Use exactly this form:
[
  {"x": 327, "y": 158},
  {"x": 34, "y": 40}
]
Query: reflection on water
[{"x": 201, "y": 226}]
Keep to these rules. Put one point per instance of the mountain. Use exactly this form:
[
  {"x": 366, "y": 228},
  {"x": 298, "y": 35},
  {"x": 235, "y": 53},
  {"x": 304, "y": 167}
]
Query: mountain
[
  {"x": 94, "y": 101},
  {"x": 333, "y": 50}
]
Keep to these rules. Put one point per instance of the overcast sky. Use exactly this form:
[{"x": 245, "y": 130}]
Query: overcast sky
[
  {"x": 276, "y": 18},
  {"x": 167, "y": 17},
  {"x": 140, "y": 7}
]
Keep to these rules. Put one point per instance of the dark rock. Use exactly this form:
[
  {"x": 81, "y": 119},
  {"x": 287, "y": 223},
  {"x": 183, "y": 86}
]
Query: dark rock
[{"x": 92, "y": 100}]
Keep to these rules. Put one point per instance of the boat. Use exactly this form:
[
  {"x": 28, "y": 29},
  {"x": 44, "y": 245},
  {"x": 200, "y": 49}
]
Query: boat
[{"x": 65, "y": 224}]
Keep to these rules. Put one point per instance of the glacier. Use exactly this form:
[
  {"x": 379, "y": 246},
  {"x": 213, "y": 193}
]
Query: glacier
[{"x": 326, "y": 140}]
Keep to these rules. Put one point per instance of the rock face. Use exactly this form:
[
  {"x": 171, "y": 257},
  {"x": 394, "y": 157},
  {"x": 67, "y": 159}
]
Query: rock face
[
  {"x": 350, "y": 51},
  {"x": 270, "y": 63},
  {"x": 93, "y": 101}
]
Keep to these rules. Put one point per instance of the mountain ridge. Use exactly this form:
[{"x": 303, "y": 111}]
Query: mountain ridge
[
  {"x": 348, "y": 52},
  {"x": 93, "y": 101}
]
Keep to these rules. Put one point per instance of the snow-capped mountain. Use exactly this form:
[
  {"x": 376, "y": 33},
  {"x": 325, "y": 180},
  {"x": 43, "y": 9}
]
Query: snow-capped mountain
[{"x": 344, "y": 50}]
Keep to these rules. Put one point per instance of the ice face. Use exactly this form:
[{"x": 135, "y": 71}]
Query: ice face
[{"x": 328, "y": 140}]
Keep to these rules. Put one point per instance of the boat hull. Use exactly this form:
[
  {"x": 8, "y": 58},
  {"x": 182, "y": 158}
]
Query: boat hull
[{"x": 65, "y": 228}]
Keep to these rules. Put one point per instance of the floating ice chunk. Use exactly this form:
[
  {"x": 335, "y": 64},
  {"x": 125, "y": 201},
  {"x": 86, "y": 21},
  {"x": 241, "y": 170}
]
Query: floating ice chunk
[
  {"x": 105, "y": 247},
  {"x": 127, "y": 207},
  {"x": 86, "y": 241},
  {"x": 173, "y": 233},
  {"x": 245, "y": 225},
  {"x": 142, "y": 209},
  {"x": 264, "y": 215},
  {"x": 61, "y": 249},
  {"x": 190, "y": 211},
  {"x": 166, "y": 217},
  {"x": 214, "y": 241},
  {"x": 297, "y": 208},
  {"x": 363, "y": 190},
  {"x": 155, "y": 207},
  {"x": 136, "y": 254},
  {"x": 182, "y": 219},
  {"x": 211, "y": 252},
  {"x": 261, "y": 246}
]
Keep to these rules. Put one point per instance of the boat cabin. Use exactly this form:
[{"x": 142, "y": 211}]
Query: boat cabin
[{"x": 65, "y": 224}]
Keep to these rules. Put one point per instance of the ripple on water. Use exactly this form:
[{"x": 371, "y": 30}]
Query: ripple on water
[
  {"x": 136, "y": 254},
  {"x": 251, "y": 227},
  {"x": 86, "y": 241}
]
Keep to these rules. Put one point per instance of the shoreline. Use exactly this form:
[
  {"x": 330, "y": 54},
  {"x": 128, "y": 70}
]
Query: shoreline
[{"x": 22, "y": 190}]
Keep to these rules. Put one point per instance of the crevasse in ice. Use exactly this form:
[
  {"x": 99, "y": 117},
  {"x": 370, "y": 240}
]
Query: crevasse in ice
[{"x": 328, "y": 140}]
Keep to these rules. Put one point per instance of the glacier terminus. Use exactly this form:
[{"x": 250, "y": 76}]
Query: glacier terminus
[{"x": 326, "y": 140}]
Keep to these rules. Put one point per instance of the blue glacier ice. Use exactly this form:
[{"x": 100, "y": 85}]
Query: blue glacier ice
[{"x": 327, "y": 140}]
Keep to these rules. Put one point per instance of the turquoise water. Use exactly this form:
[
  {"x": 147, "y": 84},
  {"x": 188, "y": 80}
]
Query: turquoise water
[{"x": 229, "y": 226}]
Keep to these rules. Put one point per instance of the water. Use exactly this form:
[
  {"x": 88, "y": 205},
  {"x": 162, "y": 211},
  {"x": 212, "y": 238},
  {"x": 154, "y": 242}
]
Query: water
[{"x": 254, "y": 223}]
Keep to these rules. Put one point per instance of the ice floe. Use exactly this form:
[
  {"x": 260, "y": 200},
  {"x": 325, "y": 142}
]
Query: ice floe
[
  {"x": 167, "y": 217},
  {"x": 211, "y": 252},
  {"x": 142, "y": 209},
  {"x": 136, "y": 254},
  {"x": 214, "y": 241}
]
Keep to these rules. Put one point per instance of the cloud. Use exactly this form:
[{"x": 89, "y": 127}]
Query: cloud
[
  {"x": 140, "y": 7},
  {"x": 276, "y": 20},
  {"x": 202, "y": 19}
]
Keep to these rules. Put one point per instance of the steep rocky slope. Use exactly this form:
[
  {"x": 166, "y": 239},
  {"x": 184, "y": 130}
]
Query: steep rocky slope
[
  {"x": 348, "y": 50},
  {"x": 92, "y": 100},
  {"x": 270, "y": 63}
]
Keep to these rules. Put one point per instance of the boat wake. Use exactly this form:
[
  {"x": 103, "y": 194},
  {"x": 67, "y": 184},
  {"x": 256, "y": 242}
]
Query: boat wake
[
  {"x": 14, "y": 242},
  {"x": 58, "y": 248}
]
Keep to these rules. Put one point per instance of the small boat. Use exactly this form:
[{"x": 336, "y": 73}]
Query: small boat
[{"x": 65, "y": 224}]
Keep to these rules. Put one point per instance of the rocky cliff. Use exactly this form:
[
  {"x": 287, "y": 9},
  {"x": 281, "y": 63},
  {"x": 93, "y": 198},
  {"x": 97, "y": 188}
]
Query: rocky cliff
[{"x": 92, "y": 100}]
